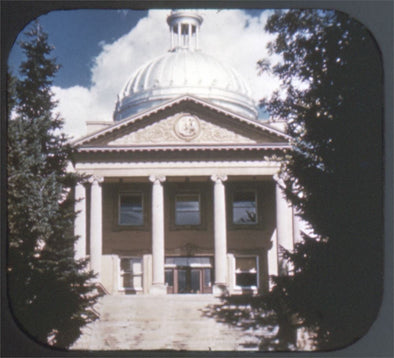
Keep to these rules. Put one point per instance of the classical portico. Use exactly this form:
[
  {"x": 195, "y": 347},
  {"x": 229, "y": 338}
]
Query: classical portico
[
  {"x": 183, "y": 195},
  {"x": 154, "y": 259}
]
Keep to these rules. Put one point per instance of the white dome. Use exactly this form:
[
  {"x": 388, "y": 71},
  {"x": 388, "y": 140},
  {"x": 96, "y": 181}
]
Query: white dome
[{"x": 185, "y": 70}]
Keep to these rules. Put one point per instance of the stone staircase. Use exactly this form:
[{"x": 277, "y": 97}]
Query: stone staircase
[{"x": 172, "y": 322}]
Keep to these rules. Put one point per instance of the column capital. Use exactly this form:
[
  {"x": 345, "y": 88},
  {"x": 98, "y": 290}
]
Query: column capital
[
  {"x": 96, "y": 179},
  {"x": 80, "y": 184},
  {"x": 157, "y": 179},
  {"x": 219, "y": 178}
]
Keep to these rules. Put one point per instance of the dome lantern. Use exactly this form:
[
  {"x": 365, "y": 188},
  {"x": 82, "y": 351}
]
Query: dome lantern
[{"x": 184, "y": 30}]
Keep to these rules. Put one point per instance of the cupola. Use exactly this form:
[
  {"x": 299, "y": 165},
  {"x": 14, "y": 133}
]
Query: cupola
[
  {"x": 184, "y": 29},
  {"x": 185, "y": 70}
]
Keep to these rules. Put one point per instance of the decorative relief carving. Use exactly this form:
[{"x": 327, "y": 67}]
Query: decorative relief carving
[
  {"x": 219, "y": 178},
  {"x": 157, "y": 179},
  {"x": 95, "y": 179},
  {"x": 180, "y": 129},
  {"x": 187, "y": 127}
]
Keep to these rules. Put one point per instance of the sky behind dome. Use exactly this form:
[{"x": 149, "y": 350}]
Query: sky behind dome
[{"x": 100, "y": 49}]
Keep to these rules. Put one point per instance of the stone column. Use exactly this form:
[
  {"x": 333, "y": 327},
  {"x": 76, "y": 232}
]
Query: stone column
[
  {"x": 179, "y": 35},
  {"x": 197, "y": 37},
  {"x": 96, "y": 224},
  {"x": 272, "y": 257},
  {"x": 172, "y": 37},
  {"x": 80, "y": 221},
  {"x": 190, "y": 36},
  {"x": 284, "y": 227},
  {"x": 158, "y": 285},
  {"x": 220, "y": 232},
  {"x": 230, "y": 273}
]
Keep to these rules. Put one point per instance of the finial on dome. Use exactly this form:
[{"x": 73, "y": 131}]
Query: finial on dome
[{"x": 184, "y": 29}]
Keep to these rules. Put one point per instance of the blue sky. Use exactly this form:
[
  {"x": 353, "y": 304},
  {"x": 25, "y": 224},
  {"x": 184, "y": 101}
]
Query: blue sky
[
  {"x": 77, "y": 36},
  {"x": 100, "y": 49}
]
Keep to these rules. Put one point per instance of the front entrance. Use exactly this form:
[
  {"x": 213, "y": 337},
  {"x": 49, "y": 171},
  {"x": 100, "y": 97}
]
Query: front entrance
[{"x": 188, "y": 275}]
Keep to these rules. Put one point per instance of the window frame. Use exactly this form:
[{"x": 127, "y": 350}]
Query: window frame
[
  {"x": 199, "y": 208},
  {"x": 236, "y": 187},
  {"x": 131, "y": 193},
  {"x": 130, "y": 189},
  {"x": 237, "y": 287},
  {"x": 121, "y": 272},
  {"x": 187, "y": 189},
  {"x": 233, "y": 193}
]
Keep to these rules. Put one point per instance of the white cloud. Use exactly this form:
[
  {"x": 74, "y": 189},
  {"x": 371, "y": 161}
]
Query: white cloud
[
  {"x": 231, "y": 36},
  {"x": 74, "y": 106}
]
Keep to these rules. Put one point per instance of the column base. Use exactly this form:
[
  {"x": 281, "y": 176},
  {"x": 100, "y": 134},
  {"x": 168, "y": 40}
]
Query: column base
[
  {"x": 158, "y": 289},
  {"x": 220, "y": 289}
]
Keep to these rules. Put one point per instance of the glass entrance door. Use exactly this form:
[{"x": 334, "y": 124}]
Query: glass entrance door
[
  {"x": 188, "y": 275},
  {"x": 195, "y": 280},
  {"x": 182, "y": 280},
  {"x": 189, "y": 280}
]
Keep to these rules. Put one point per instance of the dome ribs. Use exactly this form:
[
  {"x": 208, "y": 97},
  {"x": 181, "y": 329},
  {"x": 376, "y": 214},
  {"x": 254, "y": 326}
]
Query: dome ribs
[{"x": 185, "y": 70}]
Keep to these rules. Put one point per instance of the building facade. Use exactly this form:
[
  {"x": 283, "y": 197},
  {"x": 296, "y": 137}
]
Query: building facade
[{"x": 182, "y": 195}]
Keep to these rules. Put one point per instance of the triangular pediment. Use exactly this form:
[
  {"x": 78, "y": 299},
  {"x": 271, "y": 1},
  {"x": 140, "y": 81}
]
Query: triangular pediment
[{"x": 187, "y": 121}]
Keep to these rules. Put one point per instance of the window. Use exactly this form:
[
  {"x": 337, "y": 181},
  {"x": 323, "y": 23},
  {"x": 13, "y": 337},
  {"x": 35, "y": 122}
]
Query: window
[
  {"x": 131, "y": 209},
  {"x": 196, "y": 261},
  {"x": 244, "y": 208},
  {"x": 131, "y": 273},
  {"x": 187, "y": 205},
  {"x": 187, "y": 209},
  {"x": 246, "y": 271}
]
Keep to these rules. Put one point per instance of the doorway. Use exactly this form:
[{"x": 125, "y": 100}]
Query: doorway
[{"x": 188, "y": 275}]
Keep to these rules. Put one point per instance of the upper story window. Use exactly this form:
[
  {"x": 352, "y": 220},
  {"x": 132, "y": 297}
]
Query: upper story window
[
  {"x": 131, "y": 209},
  {"x": 244, "y": 208},
  {"x": 187, "y": 209}
]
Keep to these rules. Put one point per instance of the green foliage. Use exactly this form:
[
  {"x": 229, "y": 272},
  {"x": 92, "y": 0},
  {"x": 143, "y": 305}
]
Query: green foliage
[
  {"x": 51, "y": 294},
  {"x": 332, "y": 100},
  {"x": 334, "y": 173}
]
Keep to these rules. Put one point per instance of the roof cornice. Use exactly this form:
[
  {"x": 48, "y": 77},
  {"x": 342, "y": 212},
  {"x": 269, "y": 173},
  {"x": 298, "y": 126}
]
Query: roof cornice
[
  {"x": 169, "y": 104},
  {"x": 186, "y": 148}
]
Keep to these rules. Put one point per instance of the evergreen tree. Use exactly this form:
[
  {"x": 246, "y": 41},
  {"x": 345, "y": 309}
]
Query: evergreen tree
[
  {"x": 51, "y": 294},
  {"x": 334, "y": 174},
  {"x": 332, "y": 101}
]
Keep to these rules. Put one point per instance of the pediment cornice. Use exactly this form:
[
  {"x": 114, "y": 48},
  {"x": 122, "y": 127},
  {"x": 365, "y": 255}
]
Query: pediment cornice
[{"x": 98, "y": 139}]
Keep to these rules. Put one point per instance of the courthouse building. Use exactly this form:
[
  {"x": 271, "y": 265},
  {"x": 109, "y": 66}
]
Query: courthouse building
[{"x": 182, "y": 196}]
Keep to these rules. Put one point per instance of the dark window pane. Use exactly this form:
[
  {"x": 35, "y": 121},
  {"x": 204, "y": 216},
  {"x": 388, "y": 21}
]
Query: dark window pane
[
  {"x": 181, "y": 281},
  {"x": 181, "y": 261},
  {"x": 127, "y": 280},
  {"x": 195, "y": 280},
  {"x": 126, "y": 265},
  {"x": 187, "y": 209},
  {"x": 207, "y": 277},
  {"x": 169, "y": 276},
  {"x": 244, "y": 208},
  {"x": 131, "y": 210},
  {"x": 245, "y": 279}
]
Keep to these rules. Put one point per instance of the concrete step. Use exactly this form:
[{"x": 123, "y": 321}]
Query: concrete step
[{"x": 175, "y": 322}]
